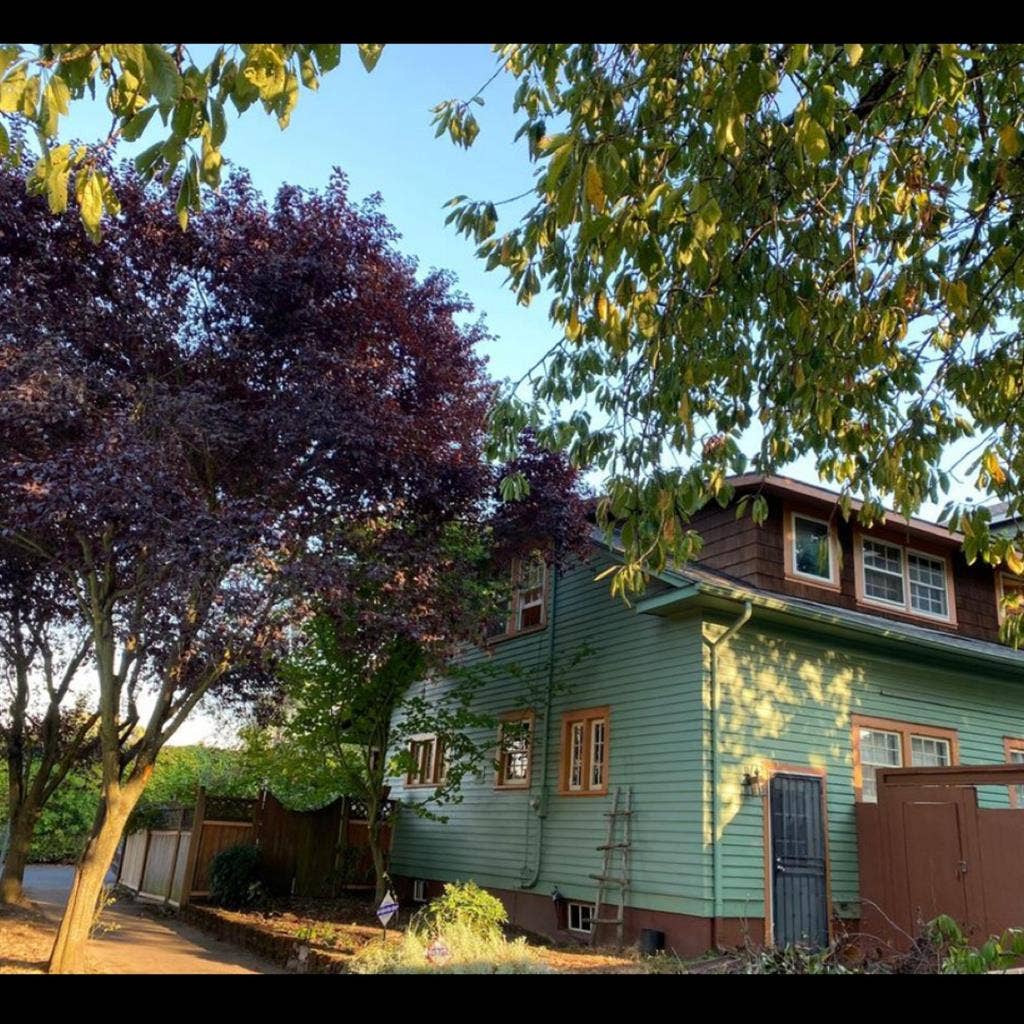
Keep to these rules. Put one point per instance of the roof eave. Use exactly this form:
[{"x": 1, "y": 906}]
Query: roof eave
[{"x": 695, "y": 593}]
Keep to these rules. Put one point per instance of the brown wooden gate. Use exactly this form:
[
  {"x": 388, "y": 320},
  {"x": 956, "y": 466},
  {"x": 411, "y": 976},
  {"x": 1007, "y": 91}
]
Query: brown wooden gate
[{"x": 926, "y": 848}]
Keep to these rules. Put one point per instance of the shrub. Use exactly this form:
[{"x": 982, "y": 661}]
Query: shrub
[
  {"x": 462, "y": 905},
  {"x": 458, "y": 950},
  {"x": 959, "y": 957},
  {"x": 235, "y": 877},
  {"x": 793, "y": 960}
]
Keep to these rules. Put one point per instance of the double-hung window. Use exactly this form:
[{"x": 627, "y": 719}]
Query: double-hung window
[
  {"x": 882, "y": 743},
  {"x": 428, "y": 764},
  {"x": 904, "y": 579},
  {"x": 527, "y": 606},
  {"x": 585, "y": 752},
  {"x": 515, "y": 741}
]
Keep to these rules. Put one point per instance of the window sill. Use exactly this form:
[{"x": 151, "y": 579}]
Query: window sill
[
  {"x": 583, "y": 792},
  {"x": 809, "y": 581},
  {"x": 903, "y": 613},
  {"x": 424, "y": 785},
  {"x": 494, "y": 640},
  {"x": 511, "y": 787}
]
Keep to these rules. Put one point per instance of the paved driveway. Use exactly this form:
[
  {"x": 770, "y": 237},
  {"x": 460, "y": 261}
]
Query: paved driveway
[{"x": 141, "y": 941}]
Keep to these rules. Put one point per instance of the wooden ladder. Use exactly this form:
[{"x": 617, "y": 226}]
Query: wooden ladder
[{"x": 607, "y": 880}]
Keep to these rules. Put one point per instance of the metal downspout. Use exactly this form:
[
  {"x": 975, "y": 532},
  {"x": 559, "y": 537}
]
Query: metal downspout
[
  {"x": 539, "y": 803},
  {"x": 716, "y": 856}
]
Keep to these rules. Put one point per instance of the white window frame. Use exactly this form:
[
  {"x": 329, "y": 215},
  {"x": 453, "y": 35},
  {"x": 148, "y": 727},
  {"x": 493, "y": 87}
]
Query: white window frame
[
  {"x": 832, "y": 580},
  {"x": 419, "y": 890},
  {"x": 905, "y": 606},
  {"x": 907, "y": 732},
  {"x": 522, "y": 566},
  {"x": 579, "y": 906},
  {"x": 515, "y": 718}
]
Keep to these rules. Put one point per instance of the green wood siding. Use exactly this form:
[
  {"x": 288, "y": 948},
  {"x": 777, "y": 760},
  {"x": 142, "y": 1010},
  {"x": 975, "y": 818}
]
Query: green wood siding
[
  {"x": 788, "y": 697},
  {"x": 648, "y": 670}
]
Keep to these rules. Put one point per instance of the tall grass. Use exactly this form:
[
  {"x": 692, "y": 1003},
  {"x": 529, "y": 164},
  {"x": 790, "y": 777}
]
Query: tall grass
[{"x": 468, "y": 952}]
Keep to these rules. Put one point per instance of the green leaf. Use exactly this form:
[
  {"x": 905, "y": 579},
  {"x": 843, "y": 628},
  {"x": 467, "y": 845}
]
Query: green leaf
[
  {"x": 135, "y": 126},
  {"x": 369, "y": 54},
  {"x": 161, "y": 75},
  {"x": 328, "y": 55}
]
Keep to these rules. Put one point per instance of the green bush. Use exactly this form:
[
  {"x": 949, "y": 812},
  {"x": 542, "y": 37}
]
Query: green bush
[
  {"x": 235, "y": 878},
  {"x": 462, "y": 905}
]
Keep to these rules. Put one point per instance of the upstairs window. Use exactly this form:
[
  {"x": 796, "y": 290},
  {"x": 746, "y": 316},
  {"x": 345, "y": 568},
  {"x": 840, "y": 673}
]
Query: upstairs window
[
  {"x": 1009, "y": 595},
  {"x": 428, "y": 762},
  {"x": 529, "y": 593},
  {"x": 905, "y": 579},
  {"x": 812, "y": 552},
  {"x": 527, "y": 607}
]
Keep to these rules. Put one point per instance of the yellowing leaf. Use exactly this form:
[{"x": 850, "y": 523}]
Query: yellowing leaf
[
  {"x": 90, "y": 204},
  {"x": 854, "y": 52},
  {"x": 594, "y": 187},
  {"x": 1009, "y": 140}
]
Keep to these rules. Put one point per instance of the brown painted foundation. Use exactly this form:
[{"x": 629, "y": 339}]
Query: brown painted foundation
[{"x": 685, "y": 934}]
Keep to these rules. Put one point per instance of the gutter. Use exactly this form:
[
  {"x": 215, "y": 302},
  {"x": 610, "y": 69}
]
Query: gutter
[
  {"x": 716, "y": 855},
  {"x": 877, "y": 629},
  {"x": 539, "y": 803}
]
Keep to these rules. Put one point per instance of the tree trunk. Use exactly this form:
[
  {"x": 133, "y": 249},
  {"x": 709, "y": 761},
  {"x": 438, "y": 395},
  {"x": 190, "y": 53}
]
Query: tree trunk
[
  {"x": 23, "y": 824},
  {"x": 68, "y": 955}
]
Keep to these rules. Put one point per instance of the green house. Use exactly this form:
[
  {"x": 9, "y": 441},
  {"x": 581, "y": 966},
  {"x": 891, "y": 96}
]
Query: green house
[{"x": 742, "y": 706}]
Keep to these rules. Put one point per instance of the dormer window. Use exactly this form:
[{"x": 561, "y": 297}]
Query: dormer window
[
  {"x": 900, "y": 578},
  {"x": 1009, "y": 595},
  {"x": 812, "y": 552}
]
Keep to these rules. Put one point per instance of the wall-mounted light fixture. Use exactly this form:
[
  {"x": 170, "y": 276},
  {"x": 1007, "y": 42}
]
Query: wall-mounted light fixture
[{"x": 754, "y": 784}]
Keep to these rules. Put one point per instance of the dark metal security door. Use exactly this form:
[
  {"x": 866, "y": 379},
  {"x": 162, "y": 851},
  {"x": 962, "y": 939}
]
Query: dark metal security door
[{"x": 799, "y": 897}]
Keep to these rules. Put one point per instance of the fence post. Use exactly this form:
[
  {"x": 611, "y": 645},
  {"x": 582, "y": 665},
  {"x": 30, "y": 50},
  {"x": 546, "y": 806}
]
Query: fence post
[
  {"x": 174, "y": 857},
  {"x": 195, "y": 841}
]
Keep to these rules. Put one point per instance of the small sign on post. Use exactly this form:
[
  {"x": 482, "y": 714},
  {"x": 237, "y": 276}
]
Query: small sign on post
[{"x": 386, "y": 910}]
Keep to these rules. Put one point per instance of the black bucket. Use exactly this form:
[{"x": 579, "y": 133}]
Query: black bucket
[{"x": 651, "y": 941}]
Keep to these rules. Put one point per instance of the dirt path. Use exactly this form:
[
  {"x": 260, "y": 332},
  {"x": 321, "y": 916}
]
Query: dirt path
[{"x": 140, "y": 941}]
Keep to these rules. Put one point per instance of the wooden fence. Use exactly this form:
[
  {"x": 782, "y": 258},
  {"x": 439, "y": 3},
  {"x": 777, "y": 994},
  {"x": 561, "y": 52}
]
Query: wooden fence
[
  {"x": 304, "y": 853},
  {"x": 926, "y": 848}
]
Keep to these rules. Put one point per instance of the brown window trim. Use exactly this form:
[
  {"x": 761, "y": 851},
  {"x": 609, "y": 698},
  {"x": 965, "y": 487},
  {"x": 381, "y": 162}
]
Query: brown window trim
[
  {"x": 1012, "y": 743},
  {"x": 588, "y": 716},
  {"x": 1000, "y": 593},
  {"x": 906, "y": 730},
  {"x": 513, "y": 614},
  {"x": 834, "y": 551},
  {"x": 437, "y": 768},
  {"x": 904, "y": 610},
  {"x": 778, "y": 767},
  {"x": 526, "y": 715}
]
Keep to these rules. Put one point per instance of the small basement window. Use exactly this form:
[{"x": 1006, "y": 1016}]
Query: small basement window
[
  {"x": 419, "y": 890},
  {"x": 581, "y": 917}
]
